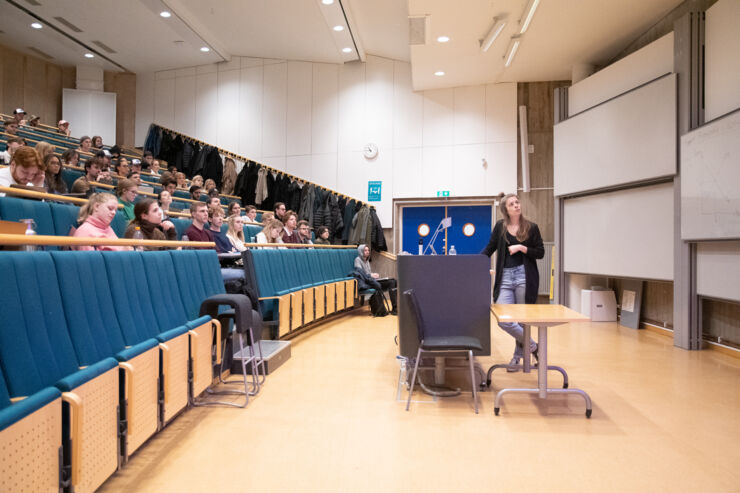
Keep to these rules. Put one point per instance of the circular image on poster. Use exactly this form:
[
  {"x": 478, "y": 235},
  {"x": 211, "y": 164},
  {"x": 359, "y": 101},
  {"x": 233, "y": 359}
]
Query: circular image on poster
[
  {"x": 469, "y": 229},
  {"x": 423, "y": 229}
]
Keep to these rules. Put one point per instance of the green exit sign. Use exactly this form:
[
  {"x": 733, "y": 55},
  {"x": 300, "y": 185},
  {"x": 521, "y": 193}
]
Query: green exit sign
[{"x": 443, "y": 193}]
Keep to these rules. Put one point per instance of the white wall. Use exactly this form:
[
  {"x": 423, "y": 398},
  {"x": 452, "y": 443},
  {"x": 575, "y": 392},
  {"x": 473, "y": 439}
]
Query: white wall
[
  {"x": 313, "y": 119},
  {"x": 722, "y": 43}
]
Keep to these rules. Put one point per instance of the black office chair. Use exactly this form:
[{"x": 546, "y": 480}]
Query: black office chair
[{"x": 441, "y": 344}]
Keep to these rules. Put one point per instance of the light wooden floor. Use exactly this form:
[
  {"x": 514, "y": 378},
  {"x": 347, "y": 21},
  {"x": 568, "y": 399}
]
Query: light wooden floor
[{"x": 327, "y": 421}]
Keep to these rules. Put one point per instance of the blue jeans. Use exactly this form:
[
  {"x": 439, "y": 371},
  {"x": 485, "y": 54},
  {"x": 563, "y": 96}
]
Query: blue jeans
[{"x": 513, "y": 287}]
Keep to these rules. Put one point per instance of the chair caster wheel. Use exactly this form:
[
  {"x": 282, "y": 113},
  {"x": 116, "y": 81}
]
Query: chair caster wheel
[
  {"x": 565, "y": 385},
  {"x": 496, "y": 410},
  {"x": 488, "y": 383},
  {"x": 588, "y": 413}
]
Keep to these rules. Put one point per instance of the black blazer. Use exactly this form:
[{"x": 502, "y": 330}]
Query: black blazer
[{"x": 535, "y": 250}]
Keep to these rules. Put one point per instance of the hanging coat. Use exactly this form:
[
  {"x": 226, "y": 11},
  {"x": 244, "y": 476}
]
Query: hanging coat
[
  {"x": 349, "y": 214},
  {"x": 377, "y": 238},
  {"x": 213, "y": 167},
  {"x": 269, "y": 201},
  {"x": 336, "y": 221},
  {"x": 261, "y": 187},
  {"x": 305, "y": 211},
  {"x": 362, "y": 227},
  {"x": 294, "y": 196}
]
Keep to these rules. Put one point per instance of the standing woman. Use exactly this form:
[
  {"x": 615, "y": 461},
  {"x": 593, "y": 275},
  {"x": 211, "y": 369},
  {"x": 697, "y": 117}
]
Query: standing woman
[
  {"x": 519, "y": 245},
  {"x": 54, "y": 182}
]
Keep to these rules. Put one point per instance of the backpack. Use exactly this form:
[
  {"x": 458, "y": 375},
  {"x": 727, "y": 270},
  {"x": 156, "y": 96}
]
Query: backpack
[{"x": 378, "y": 306}]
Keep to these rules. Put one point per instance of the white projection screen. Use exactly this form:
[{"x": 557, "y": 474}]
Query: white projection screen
[
  {"x": 90, "y": 113},
  {"x": 626, "y": 233},
  {"x": 628, "y": 139},
  {"x": 718, "y": 269}
]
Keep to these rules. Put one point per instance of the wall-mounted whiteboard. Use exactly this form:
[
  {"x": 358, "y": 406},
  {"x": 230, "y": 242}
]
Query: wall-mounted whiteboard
[
  {"x": 718, "y": 269},
  {"x": 646, "y": 64},
  {"x": 721, "y": 60},
  {"x": 626, "y": 233},
  {"x": 710, "y": 180},
  {"x": 628, "y": 139},
  {"x": 90, "y": 113}
]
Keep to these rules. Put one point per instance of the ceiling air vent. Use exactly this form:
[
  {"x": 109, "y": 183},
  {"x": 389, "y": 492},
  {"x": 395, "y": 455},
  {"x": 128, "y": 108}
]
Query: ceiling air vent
[
  {"x": 418, "y": 29},
  {"x": 62, "y": 20},
  {"x": 104, "y": 47},
  {"x": 41, "y": 53},
  {"x": 33, "y": 2}
]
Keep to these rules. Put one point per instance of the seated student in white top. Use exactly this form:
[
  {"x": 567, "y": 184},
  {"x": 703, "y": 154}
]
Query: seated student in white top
[
  {"x": 235, "y": 233},
  {"x": 271, "y": 232},
  {"x": 26, "y": 168},
  {"x": 250, "y": 215}
]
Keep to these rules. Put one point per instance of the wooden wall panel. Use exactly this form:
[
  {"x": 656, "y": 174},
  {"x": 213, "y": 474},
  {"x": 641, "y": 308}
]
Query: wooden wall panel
[
  {"x": 657, "y": 301},
  {"x": 33, "y": 84},
  {"x": 721, "y": 321},
  {"x": 124, "y": 85},
  {"x": 538, "y": 204}
]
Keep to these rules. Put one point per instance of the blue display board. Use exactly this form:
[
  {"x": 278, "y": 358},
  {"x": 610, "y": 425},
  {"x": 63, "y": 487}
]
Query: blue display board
[
  {"x": 469, "y": 232},
  {"x": 373, "y": 191}
]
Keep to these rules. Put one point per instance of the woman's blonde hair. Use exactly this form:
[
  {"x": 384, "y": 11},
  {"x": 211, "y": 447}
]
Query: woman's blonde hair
[
  {"x": 232, "y": 231},
  {"x": 267, "y": 217},
  {"x": 269, "y": 226},
  {"x": 208, "y": 182},
  {"x": 87, "y": 209},
  {"x": 524, "y": 224},
  {"x": 44, "y": 149},
  {"x": 197, "y": 180}
]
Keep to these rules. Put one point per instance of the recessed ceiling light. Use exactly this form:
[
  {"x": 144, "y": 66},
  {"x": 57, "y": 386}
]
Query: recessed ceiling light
[
  {"x": 346, "y": 50},
  {"x": 443, "y": 39},
  {"x": 439, "y": 73},
  {"x": 339, "y": 28},
  {"x": 165, "y": 14},
  {"x": 36, "y": 25},
  {"x": 205, "y": 49},
  {"x": 327, "y": 2},
  {"x": 89, "y": 55}
]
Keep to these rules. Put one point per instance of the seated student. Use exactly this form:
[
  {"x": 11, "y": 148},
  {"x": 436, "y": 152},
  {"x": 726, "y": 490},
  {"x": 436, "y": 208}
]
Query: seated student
[
  {"x": 181, "y": 180},
  {"x": 171, "y": 168},
  {"x": 105, "y": 175},
  {"x": 165, "y": 201},
  {"x": 148, "y": 218},
  {"x": 216, "y": 220},
  {"x": 271, "y": 232},
  {"x": 85, "y": 144},
  {"x": 34, "y": 121},
  {"x": 322, "y": 236},
  {"x": 11, "y": 127},
  {"x": 290, "y": 234},
  {"x": 136, "y": 165},
  {"x": 304, "y": 232},
  {"x": 197, "y": 230},
  {"x": 363, "y": 270},
  {"x": 122, "y": 167},
  {"x": 279, "y": 210},
  {"x": 70, "y": 157},
  {"x": 44, "y": 149},
  {"x": 266, "y": 216},
  {"x": 235, "y": 233},
  {"x": 63, "y": 128},
  {"x": 250, "y": 214},
  {"x": 19, "y": 116},
  {"x": 54, "y": 182},
  {"x": 234, "y": 209},
  {"x": 214, "y": 202},
  {"x": 209, "y": 185},
  {"x": 195, "y": 191},
  {"x": 154, "y": 167},
  {"x": 115, "y": 152},
  {"x": 26, "y": 168},
  {"x": 197, "y": 180},
  {"x": 95, "y": 218},
  {"x": 170, "y": 185},
  {"x": 92, "y": 170},
  {"x": 165, "y": 176},
  {"x": 147, "y": 159},
  {"x": 12, "y": 144},
  {"x": 126, "y": 190},
  {"x": 97, "y": 142},
  {"x": 135, "y": 177}
]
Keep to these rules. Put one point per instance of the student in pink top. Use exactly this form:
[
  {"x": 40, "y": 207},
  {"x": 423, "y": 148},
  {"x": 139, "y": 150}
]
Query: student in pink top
[{"x": 95, "y": 218}]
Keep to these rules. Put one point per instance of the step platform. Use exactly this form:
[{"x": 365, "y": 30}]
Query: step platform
[{"x": 275, "y": 354}]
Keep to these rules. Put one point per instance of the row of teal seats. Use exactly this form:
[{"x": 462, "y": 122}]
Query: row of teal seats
[
  {"x": 56, "y": 219},
  {"x": 98, "y": 351},
  {"x": 41, "y": 133},
  {"x": 279, "y": 274}
]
